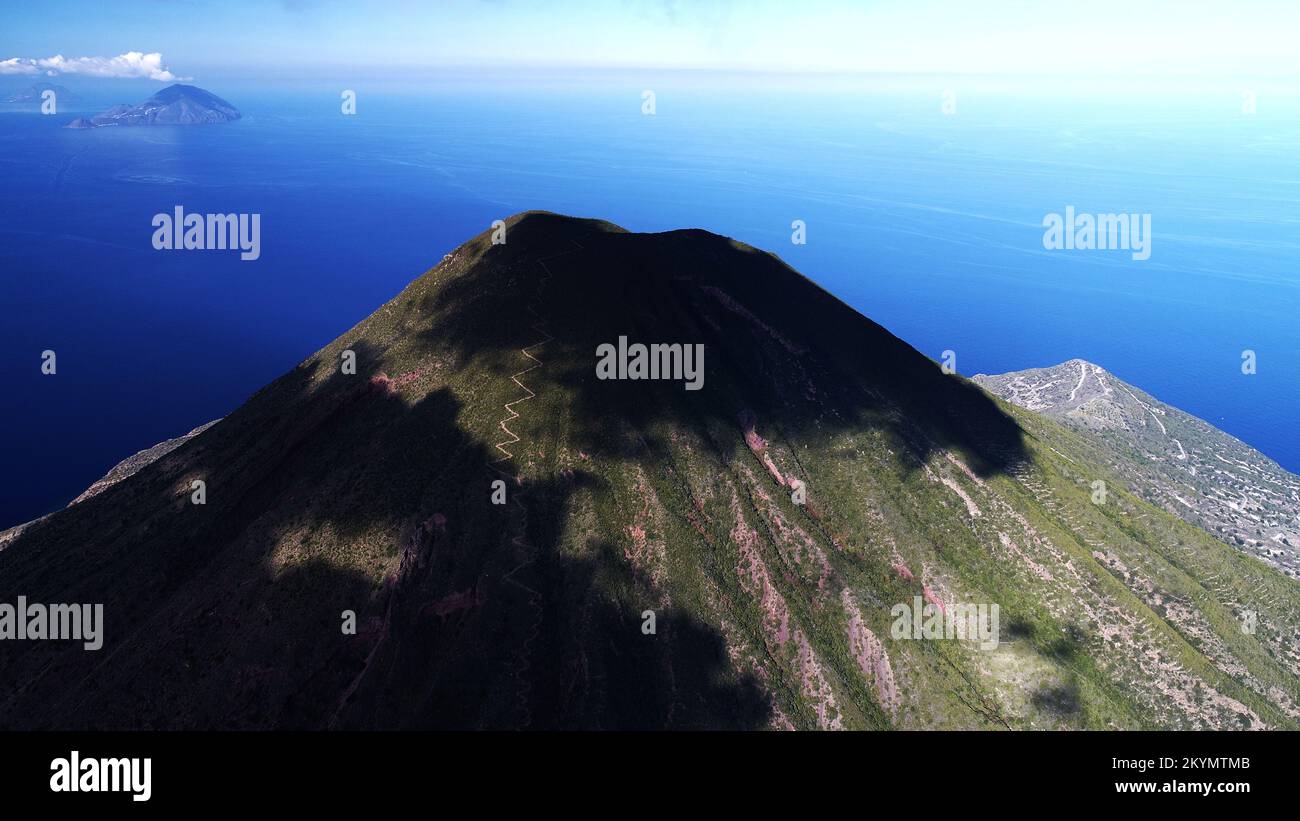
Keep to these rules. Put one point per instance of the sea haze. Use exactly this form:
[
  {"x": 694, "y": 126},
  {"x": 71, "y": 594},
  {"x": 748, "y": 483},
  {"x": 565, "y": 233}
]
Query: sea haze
[{"x": 928, "y": 223}]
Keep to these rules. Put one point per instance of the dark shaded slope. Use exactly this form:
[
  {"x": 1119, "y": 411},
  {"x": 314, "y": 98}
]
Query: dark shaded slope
[{"x": 776, "y": 342}]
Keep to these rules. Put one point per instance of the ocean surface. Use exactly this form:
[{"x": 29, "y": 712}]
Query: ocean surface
[{"x": 928, "y": 222}]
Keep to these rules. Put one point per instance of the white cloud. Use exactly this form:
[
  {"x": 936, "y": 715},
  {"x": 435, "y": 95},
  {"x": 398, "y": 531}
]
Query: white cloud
[
  {"x": 131, "y": 65},
  {"x": 17, "y": 65}
]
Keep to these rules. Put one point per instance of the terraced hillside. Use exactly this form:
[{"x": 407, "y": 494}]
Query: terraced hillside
[
  {"x": 625, "y": 499},
  {"x": 1170, "y": 458}
]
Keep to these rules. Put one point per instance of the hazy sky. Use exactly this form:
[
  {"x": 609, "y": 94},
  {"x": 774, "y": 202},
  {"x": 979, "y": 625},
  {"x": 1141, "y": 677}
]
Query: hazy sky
[{"x": 301, "y": 38}]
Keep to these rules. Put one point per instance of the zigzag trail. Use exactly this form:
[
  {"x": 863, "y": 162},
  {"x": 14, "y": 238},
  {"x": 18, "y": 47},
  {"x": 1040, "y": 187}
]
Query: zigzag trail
[
  {"x": 534, "y": 597},
  {"x": 538, "y": 326}
]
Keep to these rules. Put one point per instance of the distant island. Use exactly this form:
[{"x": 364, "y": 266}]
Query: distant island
[
  {"x": 174, "y": 105},
  {"x": 32, "y": 95}
]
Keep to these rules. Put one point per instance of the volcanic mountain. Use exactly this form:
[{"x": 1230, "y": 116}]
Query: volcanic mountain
[
  {"x": 175, "y": 105},
  {"x": 521, "y": 544}
]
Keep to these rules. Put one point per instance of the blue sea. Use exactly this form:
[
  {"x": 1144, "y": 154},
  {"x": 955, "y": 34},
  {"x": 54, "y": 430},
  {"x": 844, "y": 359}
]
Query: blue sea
[{"x": 928, "y": 222}]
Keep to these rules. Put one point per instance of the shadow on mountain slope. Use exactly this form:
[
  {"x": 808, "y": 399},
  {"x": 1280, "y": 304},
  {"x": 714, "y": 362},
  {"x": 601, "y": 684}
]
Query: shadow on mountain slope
[
  {"x": 551, "y": 641},
  {"x": 776, "y": 344},
  {"x": 229, "y": 614}
]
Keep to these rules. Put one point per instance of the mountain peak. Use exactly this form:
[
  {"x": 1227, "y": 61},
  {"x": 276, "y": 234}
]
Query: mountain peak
[
  {"x": 182, "y": 91},
  {"x": 1059, "y": 388}
]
